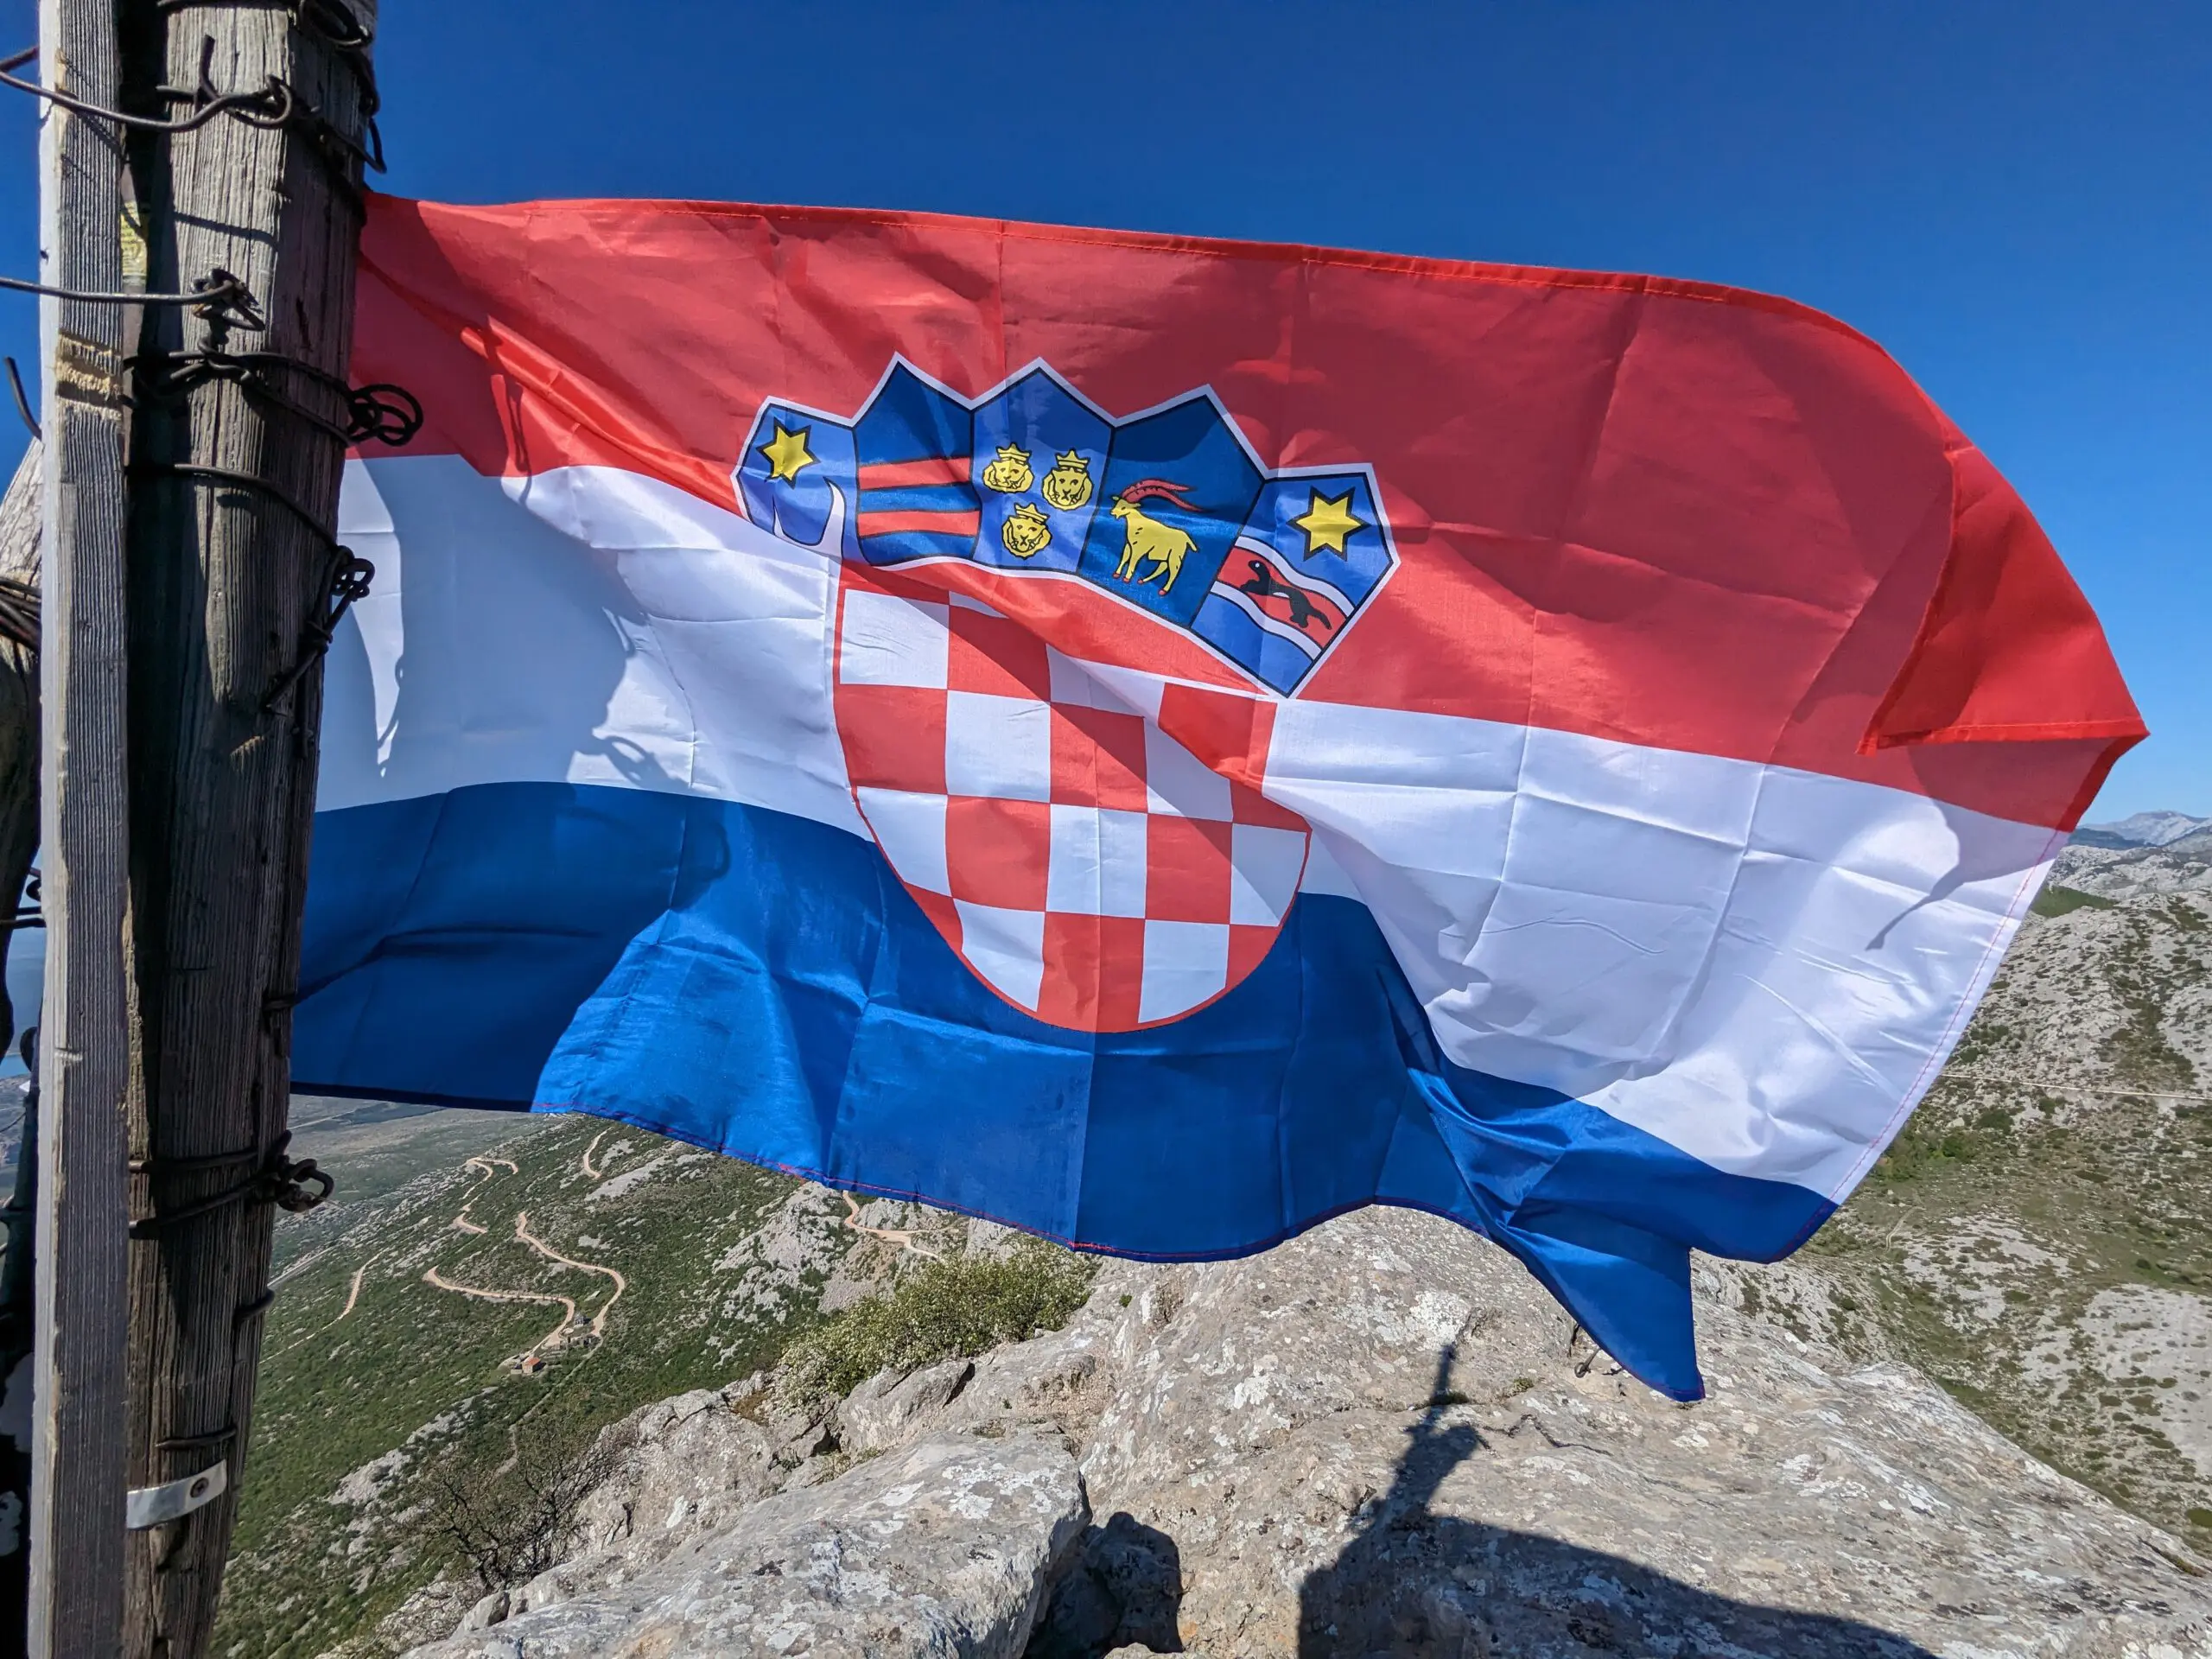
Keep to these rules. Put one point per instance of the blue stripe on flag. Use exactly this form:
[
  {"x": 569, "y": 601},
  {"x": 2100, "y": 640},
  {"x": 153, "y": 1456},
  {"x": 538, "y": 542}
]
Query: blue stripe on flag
[
  {"x": 896, "y": 547},
  {"x": 920, "y": 497},
  {"x": 760, "y": 984}
]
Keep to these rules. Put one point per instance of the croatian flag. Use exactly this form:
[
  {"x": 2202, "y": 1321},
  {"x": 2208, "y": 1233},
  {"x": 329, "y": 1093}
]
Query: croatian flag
[{"x": 1160, "y": 741}]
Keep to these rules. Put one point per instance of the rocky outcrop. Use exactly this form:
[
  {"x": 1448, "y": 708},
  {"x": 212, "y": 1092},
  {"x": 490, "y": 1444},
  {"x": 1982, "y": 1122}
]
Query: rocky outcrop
[
  {"x": 946, "y": 1547},
  {"x": 684, "y": 1467},
  {"x": 1384, "y": 1439},
  {"x": 2136, "y": 873}
]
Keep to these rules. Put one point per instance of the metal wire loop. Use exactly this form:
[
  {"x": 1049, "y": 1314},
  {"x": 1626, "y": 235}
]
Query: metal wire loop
[
  {"x": 277, "y": 104},
  {"x": 228, "y": 478},
  {"x": 221, "y": 299},
  {"x": 207, "y": 104},
  {"x": 227, "y": 302},
  {"x": 332, "y": 142},
  {"x": 335, "y": 24},
  {"x": 23, "y": 400},
  {"x": 19, "y": 611},
  {"x": 207, "y": 1442},
  {"x": 281, "y": 1180},
  {"x": 351, "y": 576},
  {"x": 388, "y": 414}
]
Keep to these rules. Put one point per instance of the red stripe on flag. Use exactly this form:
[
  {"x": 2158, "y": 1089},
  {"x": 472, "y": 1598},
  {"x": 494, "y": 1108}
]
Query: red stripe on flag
[
  {"x": 1620, "y": 543},
  {"x": 925, "y": 521},
  {"x": 911, "y": 475}
]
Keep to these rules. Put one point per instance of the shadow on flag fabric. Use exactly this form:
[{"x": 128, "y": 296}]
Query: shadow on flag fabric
[{"x": 1160, "y": 741}]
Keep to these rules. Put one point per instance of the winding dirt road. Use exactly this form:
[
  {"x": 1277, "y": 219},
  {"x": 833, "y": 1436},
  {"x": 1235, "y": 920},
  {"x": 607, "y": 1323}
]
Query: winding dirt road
[
  {"x": 599, "y": 1319},
  {"x": 586, "y": 1163},
  {"x": 487, "y": 1168},
  {"x": 353, "y": 1290},
  {"x": 432, "y": 1277},
  {"x": 902, "y": 1236}
]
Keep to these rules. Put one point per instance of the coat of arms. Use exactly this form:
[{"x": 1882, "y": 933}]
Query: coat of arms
[
  {"x": 1066, "y": 821},
  {"x": 1168, "y": 508}
]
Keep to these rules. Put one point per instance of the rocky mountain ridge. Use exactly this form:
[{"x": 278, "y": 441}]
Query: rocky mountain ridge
[
  {"x": 1382, "y": 1437},
  {"x": 2039, "y": 1238},
  {"x": 2156, "y": 829}
]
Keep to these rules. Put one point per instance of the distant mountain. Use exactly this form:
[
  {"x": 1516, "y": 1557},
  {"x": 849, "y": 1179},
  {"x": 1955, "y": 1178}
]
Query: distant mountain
[{"x": 2141, "y": 830}]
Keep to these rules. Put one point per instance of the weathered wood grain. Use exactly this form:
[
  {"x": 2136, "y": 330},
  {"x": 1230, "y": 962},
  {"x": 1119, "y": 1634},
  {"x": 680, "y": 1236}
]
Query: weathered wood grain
[
  {"x": 225, "y": 580},
  {"x": 76, "y": 1468}
]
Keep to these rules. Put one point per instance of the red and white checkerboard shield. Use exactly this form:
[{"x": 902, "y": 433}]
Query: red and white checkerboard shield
[{"x": 1085, "y": 864}]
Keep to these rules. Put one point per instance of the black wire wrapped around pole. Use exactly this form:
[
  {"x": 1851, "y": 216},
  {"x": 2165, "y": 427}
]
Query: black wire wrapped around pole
[
  {"x": 274, "y": 104},
  {"x": 224, "y": 291},
  {"x": 387, "y": 413}
]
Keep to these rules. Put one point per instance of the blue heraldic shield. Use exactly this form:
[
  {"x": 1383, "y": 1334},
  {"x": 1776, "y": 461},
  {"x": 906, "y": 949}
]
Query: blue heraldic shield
[{"x": 1169, "y": 510}]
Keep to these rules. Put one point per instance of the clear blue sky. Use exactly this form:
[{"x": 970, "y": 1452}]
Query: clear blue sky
[{"x": 2016, "y": 199}]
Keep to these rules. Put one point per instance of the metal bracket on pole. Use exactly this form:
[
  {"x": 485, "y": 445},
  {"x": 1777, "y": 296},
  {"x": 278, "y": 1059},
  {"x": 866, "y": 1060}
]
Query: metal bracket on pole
[{"x": 152, "y": 1506}]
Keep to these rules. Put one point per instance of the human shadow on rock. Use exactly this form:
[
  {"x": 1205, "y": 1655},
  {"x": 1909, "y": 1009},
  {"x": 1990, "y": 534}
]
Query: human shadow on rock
[
  {"x": 1123, "y": 1585},
  {"x": 1417, "y": 1584}
]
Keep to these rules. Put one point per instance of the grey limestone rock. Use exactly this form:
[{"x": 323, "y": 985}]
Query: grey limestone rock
[
  {"x": 946, "y": 1547},
  {"x": 488, "y": 1611},
  {"x": 684, "y": 1467},
  {"x": 690, "y": 1462},
  {"x": 1382, "y": 1439},
  {"x": 881, "y": 1411}
]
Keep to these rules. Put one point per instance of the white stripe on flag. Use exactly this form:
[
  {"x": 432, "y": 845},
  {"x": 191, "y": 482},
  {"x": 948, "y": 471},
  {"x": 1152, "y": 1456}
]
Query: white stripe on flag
[
  {"x": 1758, "y": 965},
  {"x": 592, "y": 627},
  {"x": 1762, "y": 967}
]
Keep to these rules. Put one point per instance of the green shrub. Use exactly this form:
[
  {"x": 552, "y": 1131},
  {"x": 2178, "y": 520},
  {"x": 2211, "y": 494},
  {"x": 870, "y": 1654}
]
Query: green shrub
[
  {"x": 956, "y": 1307},
  {"x": 2060, "y": 902}
]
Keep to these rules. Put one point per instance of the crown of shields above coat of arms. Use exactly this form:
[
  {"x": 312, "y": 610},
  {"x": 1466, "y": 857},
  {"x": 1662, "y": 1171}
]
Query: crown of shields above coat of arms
[
  {"x": 1168, "y": 510},
  {"x": 1083, "y": 830}
]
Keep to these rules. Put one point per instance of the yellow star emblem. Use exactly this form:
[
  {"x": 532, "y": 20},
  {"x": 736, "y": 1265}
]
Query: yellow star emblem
[
  {"x": 1327, "y": 523},
  {"x": 786, "y": 453}
]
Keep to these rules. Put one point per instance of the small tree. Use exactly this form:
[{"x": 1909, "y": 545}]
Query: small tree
[{"x": 514, "y": 1523}]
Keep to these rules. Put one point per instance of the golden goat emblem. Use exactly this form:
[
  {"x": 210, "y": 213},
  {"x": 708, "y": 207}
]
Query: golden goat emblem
[{"x": 1145, "y": 538}]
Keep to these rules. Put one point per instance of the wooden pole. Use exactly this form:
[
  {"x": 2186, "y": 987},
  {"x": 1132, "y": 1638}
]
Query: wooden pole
[
  {"x": 77, "y": 1453},
  {"x": 20, "y": 511},
  {"x": 232, "y": 574}
]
